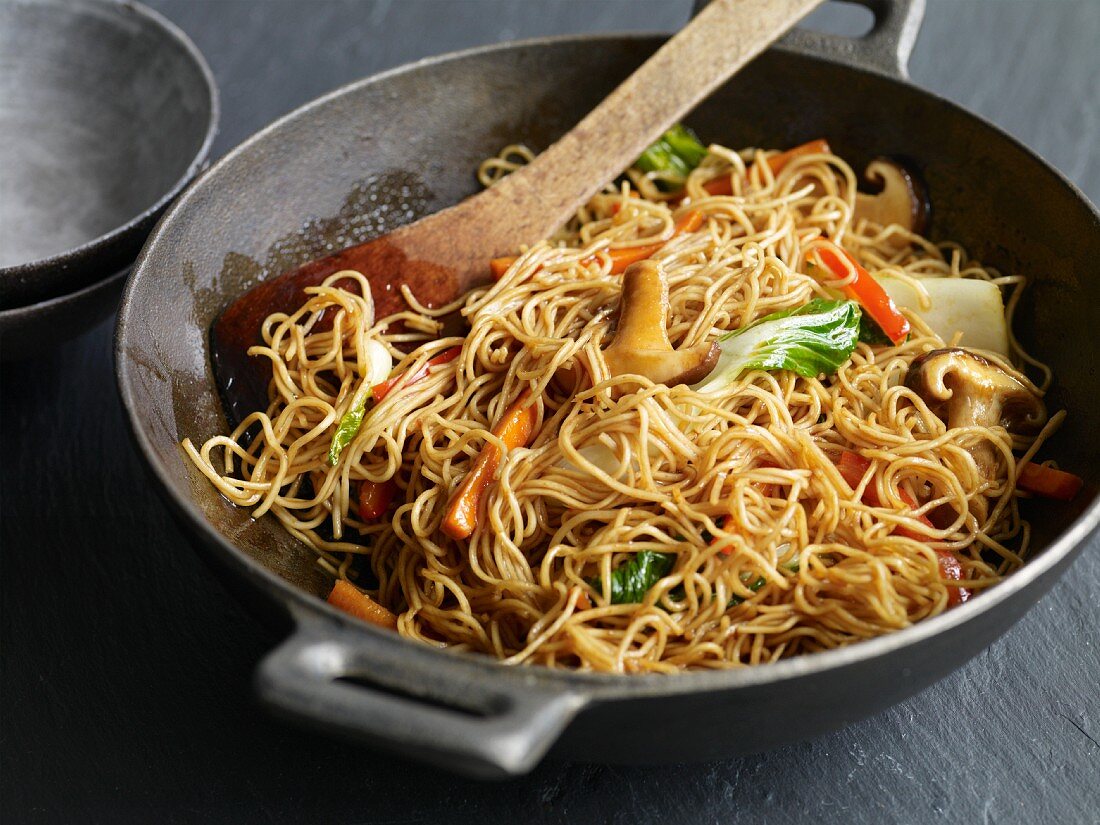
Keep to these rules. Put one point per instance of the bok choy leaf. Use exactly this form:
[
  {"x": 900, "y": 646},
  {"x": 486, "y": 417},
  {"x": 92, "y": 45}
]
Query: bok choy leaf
[
  {"x": 379, "y": 365},
  {"x": 632, "y": 580},
  {"x": 673, "y": 155},
  {"x": 812, "y": 340}
]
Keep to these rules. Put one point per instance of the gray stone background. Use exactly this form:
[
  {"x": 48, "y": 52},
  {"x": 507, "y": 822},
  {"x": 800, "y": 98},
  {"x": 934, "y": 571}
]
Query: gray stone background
[{"x": 125, "y": 668}]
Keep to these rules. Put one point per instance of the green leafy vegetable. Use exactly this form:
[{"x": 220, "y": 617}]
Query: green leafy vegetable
[
  {"x": 632, "y": 580},
  {"x": 679, "y": 595},
  {"x": 812, "y": 340},
  {"x": 378, "y": 368},
  {"x": 871, "y": 333},
  {"x": 674, "y": 155},
  {"x": 755, "y": 586},
  {"x": 346, "y": 430}
]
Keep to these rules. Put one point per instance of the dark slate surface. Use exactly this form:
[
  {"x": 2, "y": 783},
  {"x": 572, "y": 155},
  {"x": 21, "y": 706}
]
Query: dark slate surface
[{"x": 125, "y": 667}]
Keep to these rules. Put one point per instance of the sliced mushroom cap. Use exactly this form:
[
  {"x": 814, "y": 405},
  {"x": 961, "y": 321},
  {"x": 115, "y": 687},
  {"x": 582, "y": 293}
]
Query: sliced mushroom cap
[
  {"x": 641, "y": 345},
  {"x": 901, "y": 199},
  {"x": 966, "y": 390}
]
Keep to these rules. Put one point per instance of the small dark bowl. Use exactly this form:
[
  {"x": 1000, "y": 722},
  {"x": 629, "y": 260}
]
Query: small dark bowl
[
  {"x": 28, "y": 330},
  {"x": 107, "y": 111}
]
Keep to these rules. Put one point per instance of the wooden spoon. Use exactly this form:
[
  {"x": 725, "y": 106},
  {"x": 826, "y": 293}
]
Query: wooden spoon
[{"x": 445, "y": 254}]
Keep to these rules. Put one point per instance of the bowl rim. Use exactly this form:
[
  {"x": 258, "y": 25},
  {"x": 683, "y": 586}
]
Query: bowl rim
[
  {"x": 308, "y": 611},
  {"x": 18, "y": 313},
  {"x": 166, "y": 27}
]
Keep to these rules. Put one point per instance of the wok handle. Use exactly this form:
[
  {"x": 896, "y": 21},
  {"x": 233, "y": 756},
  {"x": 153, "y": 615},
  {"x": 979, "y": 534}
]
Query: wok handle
[
  {"x": 391, "y": 693},
  {"x": 886, "y": 48}
]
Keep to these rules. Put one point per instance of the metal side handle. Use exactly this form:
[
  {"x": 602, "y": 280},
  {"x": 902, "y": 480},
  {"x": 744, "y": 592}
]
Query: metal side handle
[
  {"x": 392, "y": 694},
  {"x": 885, "y": 48}
]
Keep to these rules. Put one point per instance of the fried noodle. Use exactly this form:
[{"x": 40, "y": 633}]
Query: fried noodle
[{"x": 774, "y": 553}]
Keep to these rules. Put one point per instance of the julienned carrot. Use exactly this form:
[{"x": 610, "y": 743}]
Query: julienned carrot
[
  {"x": 1049, "y": 482},
  {"x": 853, "y": 467},
  {"x": 346, "y": 596},
  {"x": 724, "y": 185},
  {"x": 864, "y": 289},
  {"x": 719, "y": 187},
  {"x": 498, "y": 266},
  {"x": 515, "y": 428},
  {"x": 621, "y": 257},
  {"x": 375, "y": 498},
  {"x": 617, "y": 206},
  {"x": 813, "y": 147},
  {"x": 380, "y": 391}
]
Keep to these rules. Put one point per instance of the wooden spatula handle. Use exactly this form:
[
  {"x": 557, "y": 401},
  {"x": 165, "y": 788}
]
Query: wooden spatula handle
[
  {"x": 444, "y": 254},
  {"x": 715, "y": 44}
]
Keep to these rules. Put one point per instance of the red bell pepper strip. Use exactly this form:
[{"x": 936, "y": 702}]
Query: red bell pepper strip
[
  {"x": 864, "y": 289},
  {"x": 1049, "y": 482},
  {"x": 951, "y": 570},
  {"x": 375, "y": 498},
  {"x": 380, "y": 391},
  {"x": 853, "y": 467}
]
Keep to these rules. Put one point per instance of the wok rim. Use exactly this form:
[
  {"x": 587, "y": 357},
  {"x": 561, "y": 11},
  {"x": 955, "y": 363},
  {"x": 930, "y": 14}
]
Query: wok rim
[
  {"x": 307, "y": 611},
  {"x": 86, "y": 251}
]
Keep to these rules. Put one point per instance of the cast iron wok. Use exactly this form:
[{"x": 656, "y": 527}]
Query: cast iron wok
[{"x": 386, "y": 150}]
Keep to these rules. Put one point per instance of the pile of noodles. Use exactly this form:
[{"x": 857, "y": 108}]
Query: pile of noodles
[{"x": 739, "y": 485}]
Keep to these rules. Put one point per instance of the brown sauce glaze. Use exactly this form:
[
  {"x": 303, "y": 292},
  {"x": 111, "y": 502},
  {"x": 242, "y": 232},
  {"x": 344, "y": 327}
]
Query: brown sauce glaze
[{"x": 242, "y": 380}]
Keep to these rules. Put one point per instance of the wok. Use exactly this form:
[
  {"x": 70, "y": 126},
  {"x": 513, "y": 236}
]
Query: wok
[{"x": 393, "y": 147}]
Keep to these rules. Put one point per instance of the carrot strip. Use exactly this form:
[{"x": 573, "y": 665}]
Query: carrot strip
[
  {"x": 375, "y": 498},
  {"x": 617, "y": 207},
  {"x": 720, "y": 187},
  {"x": 865, "y": 290},
  {"x": 1049, "y": 482},
  {"x": 380, "y": 391},
  {"x": 346, "y": 597},
  {"x": 498, "y": 266},
  {"x": 621, "y": 257},
  {"x": 515, "y": 428},
  {"x": 853, "y": 467},
  {"x": 813, "y": 147}
]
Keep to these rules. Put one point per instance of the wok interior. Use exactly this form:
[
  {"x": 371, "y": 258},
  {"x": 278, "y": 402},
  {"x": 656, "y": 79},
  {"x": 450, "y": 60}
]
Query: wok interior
[
  {"x": 101, "y": 112},
  {"x": 390, "y": 150}
]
